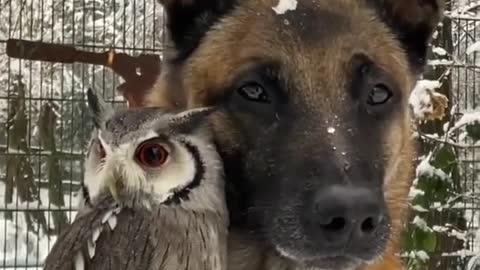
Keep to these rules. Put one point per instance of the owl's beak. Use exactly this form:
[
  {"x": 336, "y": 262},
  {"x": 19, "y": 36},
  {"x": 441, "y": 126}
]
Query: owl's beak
[{"x": 115, "y": 186}]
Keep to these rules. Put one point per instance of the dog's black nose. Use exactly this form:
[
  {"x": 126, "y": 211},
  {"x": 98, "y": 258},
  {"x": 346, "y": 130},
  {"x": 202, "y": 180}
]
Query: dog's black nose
[{"x": 346, "y": 215}]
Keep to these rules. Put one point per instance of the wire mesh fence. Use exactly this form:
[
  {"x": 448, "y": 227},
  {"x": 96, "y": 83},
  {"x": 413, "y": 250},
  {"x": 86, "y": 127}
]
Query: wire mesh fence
[
  {"x": 44, "y": 126},
  {"x": 43, "y": 121}
]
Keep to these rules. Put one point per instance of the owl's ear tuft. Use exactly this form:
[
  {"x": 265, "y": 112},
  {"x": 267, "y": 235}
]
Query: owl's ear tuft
[
  {"x": 99, "y": 109},
  {"x": 188, "y": 121}
]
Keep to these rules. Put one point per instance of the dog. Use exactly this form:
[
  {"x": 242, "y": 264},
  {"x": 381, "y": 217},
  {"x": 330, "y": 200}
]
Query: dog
[{"x": 312, "y": 121}]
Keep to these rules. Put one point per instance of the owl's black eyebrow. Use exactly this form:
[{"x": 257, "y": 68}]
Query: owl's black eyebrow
[{"x": 184, "y": 193}]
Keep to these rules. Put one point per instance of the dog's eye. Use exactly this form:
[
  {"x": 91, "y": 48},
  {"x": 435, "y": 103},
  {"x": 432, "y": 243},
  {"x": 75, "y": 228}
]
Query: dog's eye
[
  {"x": 378, "y": 95},
  {"x": 253, "y": 91}
]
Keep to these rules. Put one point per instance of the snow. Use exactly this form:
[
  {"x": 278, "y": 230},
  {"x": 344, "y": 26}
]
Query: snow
[
  {"x": 475, "y": 47},
  {"x": 414, "y": 192},
  {"x": 422, "y": 255},
  {"x": 419, "y": 208},
  {"x": 459, "y": 235},
  {"x": 421, "y": 224},
  {"x": 439, "y": 51},
  {"x": 426, "y": 169},
  {"x": 417, "y": 254},
  {"x": 467, "y": 118},
  {"x": 440, "y": 229},
  {"x": 331, "y": 130},
  {"x": 450, "y": 232},
  {"x": 20, "y": 244},
  {"x": 26, "y": 246},
  {"x": 440, "y": 62},
  {"x": 421, "y": 98},
  {"x": 285, "y": 5}
]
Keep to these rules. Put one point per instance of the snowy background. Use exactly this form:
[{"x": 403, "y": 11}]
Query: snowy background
[
  {"x": 44, "y": 128},
  {"x": 43, "y": 124}
]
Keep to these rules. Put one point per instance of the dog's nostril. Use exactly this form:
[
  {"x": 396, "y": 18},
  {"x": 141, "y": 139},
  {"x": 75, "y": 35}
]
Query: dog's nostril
[
  {"x": 336, "y": 224},
  {"x": 368, "y": 225}
]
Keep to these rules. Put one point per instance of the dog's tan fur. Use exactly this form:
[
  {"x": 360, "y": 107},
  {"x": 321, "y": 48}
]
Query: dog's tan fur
[{"x": 241, "y": 38}]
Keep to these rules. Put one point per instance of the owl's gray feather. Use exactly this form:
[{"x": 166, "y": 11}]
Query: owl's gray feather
[{"x": 163, "y": 238}]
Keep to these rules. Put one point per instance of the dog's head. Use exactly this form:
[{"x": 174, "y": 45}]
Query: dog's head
[{"x": 313, "y": 121}]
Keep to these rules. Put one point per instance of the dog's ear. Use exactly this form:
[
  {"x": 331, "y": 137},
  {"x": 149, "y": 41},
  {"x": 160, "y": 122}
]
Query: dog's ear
[
  {"x": 189, "y": 20},
  {"x": 414, "y": 22}
]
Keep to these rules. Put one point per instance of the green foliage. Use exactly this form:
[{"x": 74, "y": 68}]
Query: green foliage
[{"x": 437, "y": 188}]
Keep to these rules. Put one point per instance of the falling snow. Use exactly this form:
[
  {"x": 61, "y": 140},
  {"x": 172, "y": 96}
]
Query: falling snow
[{"x": 331, "y": 130}]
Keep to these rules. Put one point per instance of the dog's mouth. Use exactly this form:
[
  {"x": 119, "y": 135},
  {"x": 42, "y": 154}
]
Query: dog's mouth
[{"x": 332, "y": 262}]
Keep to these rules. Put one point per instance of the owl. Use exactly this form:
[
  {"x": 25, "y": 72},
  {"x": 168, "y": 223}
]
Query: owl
[{"x": 154, "y": 194}]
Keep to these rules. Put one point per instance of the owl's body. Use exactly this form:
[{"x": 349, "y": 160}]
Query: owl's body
[{"x": 155, "y": 196}]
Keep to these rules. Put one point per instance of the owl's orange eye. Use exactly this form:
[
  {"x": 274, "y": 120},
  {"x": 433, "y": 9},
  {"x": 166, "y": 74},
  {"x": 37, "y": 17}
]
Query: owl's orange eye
[
  {"x": 101, "y": 151},
  {"x": 152, "y": 154}
]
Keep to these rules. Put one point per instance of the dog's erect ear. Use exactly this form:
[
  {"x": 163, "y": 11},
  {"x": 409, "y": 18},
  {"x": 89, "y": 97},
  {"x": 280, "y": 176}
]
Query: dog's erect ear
[
  {"x": 414, "y": 22},
  {"x": 189, "y": 20}
]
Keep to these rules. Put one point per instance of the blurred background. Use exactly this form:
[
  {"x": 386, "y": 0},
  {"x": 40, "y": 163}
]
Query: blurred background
[{"x": 44, "y": 125}]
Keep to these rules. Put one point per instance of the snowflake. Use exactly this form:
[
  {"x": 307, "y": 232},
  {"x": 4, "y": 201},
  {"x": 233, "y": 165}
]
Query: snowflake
[{"x": 285, "y": 5}]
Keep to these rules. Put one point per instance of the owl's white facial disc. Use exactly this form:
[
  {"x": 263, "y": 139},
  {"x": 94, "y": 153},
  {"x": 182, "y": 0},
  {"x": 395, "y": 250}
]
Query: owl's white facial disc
[
  {"x": 153, "y": 183},
  {"x": 177, "y": 174}
]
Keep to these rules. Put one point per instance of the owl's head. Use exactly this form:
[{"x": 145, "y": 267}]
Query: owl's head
[{"x": 149, "y": 156}]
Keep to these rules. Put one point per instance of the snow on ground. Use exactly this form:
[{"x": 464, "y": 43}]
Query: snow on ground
[{"x": 19, "y": 245}]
